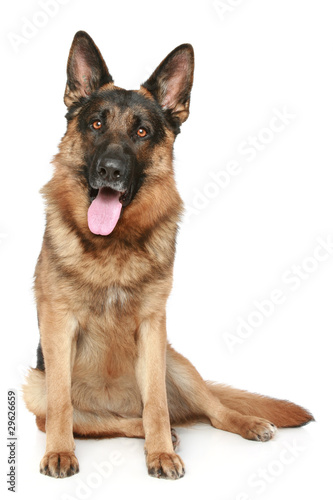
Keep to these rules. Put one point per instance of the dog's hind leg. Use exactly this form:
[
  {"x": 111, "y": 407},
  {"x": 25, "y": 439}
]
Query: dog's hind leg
[
  {"x": 254, "y": 417},
  {"x": 190, "y": 399},
  {"x": 106, "y": 425},
  {"x": 97, "y": 426}
]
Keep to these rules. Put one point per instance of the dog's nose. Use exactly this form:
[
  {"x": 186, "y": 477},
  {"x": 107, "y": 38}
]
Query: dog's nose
[{"x": 111, "y": 169}]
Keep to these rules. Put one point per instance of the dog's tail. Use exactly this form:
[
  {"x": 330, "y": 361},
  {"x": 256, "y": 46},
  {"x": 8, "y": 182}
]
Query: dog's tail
[{"x": 280, "y": 412}]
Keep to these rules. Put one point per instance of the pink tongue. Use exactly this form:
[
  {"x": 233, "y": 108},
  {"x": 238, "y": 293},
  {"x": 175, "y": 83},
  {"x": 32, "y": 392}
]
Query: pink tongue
[{"x": 104, "y": 212}]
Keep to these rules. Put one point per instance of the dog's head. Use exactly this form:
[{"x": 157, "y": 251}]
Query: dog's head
[{"x": 118, "y": 140}]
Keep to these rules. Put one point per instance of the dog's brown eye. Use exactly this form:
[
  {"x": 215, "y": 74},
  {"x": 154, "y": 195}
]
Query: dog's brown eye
[
  {"x": 97, "y": 124},
  {"x": 142, "y": 132}
]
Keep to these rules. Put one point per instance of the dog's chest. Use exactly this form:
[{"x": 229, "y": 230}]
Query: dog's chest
[
  {"x": 117, "y": 297},
  {"x": 107, "y": 335},
  {"x": 111, "y": 302}
]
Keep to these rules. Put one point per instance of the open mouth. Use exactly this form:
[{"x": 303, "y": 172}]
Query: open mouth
[
  {"x": 105, "y": 209},
  {"x": 123, "y": 198}
]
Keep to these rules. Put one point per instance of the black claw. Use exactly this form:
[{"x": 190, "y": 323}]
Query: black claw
[
  {"x": 152, "y": 472},
  {"x": 161, "y": 473}
]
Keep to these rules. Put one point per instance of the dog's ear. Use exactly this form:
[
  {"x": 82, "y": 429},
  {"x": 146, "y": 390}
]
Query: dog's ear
[
  {"x": 86, "y": 69},
  {"x": 171, "y": 84}
]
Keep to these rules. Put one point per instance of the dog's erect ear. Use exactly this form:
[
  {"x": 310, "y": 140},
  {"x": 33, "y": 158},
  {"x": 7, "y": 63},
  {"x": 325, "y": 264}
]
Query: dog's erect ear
[
  {"x": 86, "y": 69},
  {"x": 171, "y": 83}
]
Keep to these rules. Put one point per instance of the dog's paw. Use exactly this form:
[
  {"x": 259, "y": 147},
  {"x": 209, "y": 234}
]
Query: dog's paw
[
  {"x": 175, "y": 439},
  {"x": 165, "y": 465},
  {"x": 59, "y": 464},
  {"x": 258, "y": 429}
]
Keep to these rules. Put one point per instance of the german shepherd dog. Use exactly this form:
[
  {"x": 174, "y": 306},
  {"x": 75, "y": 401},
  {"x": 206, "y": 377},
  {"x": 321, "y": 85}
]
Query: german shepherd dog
[{"x": 104, "y": 365}]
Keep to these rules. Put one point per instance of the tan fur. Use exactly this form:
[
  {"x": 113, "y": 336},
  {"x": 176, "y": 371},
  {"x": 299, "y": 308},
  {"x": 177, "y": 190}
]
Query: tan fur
[{"x": 109, "y": 370}]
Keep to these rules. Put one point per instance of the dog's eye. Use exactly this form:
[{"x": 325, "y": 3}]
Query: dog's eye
[
  {"x": 96, "y": 125},
  {"x": 142, "y": 132}
]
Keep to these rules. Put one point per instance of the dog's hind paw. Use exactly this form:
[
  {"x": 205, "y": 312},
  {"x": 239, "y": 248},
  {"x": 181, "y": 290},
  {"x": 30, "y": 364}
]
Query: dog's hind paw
[
  {"x": 258, "y": 429},
  {"x": 175, "y": 439}
]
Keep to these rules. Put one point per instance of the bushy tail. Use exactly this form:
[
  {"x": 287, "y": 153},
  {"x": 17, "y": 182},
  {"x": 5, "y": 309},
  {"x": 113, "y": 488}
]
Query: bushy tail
[{"x": 279, "y": 412}]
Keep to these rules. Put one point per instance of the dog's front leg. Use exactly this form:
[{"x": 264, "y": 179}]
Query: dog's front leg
[
  {"x": 58, "y": 329},
  {"x": 150, "y": 370}
]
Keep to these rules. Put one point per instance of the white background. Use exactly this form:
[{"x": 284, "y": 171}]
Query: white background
[{"x": 256, "y": 57}]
